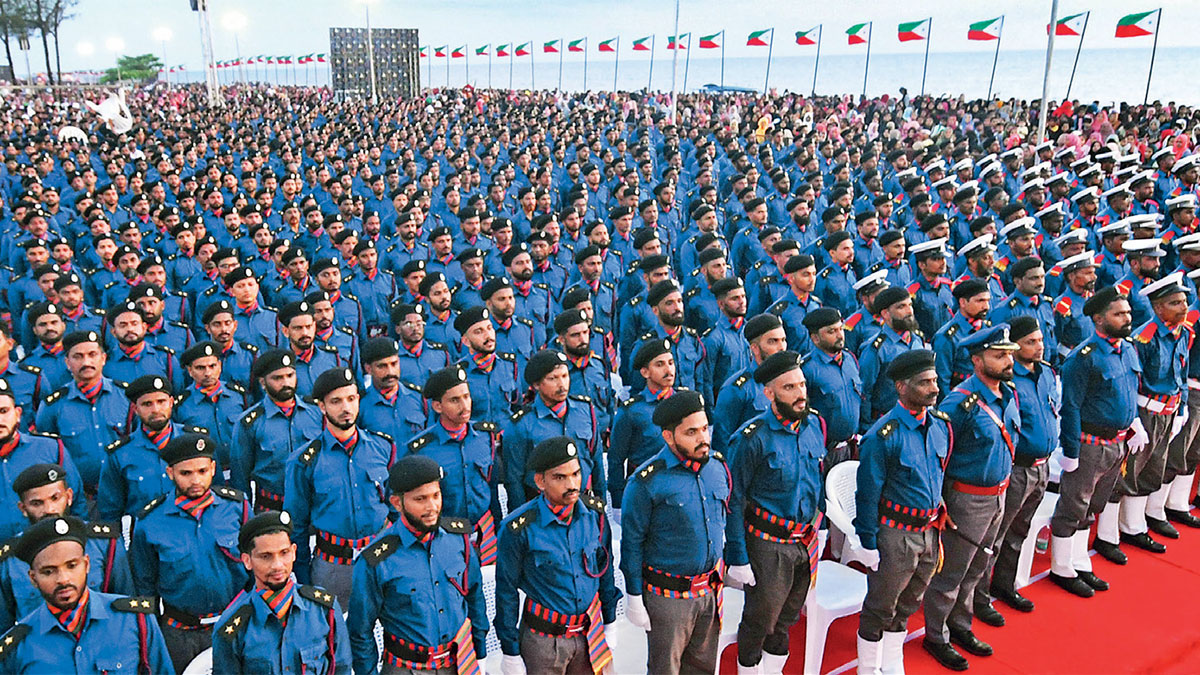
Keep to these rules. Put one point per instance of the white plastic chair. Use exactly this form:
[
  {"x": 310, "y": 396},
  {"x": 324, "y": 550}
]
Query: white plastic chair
[
  {"x": 840, "y": 591},
  {"x": 840, "y": 486},
  {"x": 1041, "y": 519},
  {"x": 201, "y": 665}
]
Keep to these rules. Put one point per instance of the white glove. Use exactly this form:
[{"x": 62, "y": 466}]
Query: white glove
[
  {"x": 1068, "y": 464},
  {"x": 610, "y": 635},
  {"x": 1140, "y": 438},
  {"x": 1181, "y": 419},
  {"x": 512, "y": 665},
  {"x": 742, "y": 574},
  {"x": 635, "y": 611},
  {"x": 870, "y": 558}
]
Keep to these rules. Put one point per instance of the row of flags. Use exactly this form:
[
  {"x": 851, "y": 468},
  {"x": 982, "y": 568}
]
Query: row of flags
[
  {"x": 1138, "y": 24},
  {"x": 274, "y": 60}
]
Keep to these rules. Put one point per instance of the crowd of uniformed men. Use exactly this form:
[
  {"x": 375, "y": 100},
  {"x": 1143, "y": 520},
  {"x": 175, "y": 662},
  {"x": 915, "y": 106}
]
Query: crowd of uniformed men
[{"x": 561, "y": 336}]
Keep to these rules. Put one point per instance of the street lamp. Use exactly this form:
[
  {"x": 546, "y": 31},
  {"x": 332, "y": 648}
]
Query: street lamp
[
  {"x": 370, "y": 50},
  {"x": 116, "y": 45},
  {"x": 163, "y": 34},
  {"x": 235, "y": 22}
]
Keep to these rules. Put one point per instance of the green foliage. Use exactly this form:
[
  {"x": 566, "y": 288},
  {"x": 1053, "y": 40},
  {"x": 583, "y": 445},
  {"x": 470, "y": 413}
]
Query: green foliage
[{"x": 133, "y": 68}]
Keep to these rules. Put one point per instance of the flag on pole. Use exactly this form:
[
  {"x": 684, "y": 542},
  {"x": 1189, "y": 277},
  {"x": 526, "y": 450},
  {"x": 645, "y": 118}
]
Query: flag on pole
[
  {"x": 985, "y": 30},
  {"x": 502, "y": 50},
  {"x": 756, "y": 38},
  {"x": 913, "y": 30},
  {"x": 321, "y": 57},
  {"x": 440, "y": 52},
  {"x": 308, "y": 58},
  {"x": 576, "y": 45},
  {"x": 270, "y": 60},
  {"x": 459, "y": 52},
  {"x": 639, "y": 45},
  {"x": 425, "y": 51},
  {"x": 284, "y": 60},
  {"x": 522, "y": 49},
  {"x": 857, "y": 34},
  {"x": 804, "y": 37},
  {"x": 550, "y": 47},
  {"x": 481, "y": 51},
  {"x": 673, "y": 43},
  {"x": 1137, "y": 25},
  {"x": 709, "y": 41},
  {"x": 1071, "y": 25},
  {"x": 607, "y": 45}
]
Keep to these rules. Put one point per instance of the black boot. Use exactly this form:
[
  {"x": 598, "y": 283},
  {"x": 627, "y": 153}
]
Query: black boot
[
  {"x": 1073, "y": 585},
  {"x": 946, "y": 655},
  {"x": 1110, "y": 552},
  {"x": 1144, "y": 542}
]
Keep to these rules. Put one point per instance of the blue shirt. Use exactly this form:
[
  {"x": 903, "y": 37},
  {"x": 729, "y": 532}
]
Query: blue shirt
[
  {"x": 727, "y": 351},
  {"x": 836, "y": 391},
  {"x": 536, "y": 422},
  {"x": 135, "y": 474},
  {"x": 1163, "y": 354},
  {"x": 880, "y": 393},
  {"x": 217, "y": 418},
  {"x": 259, "y": 643},
  {"x": 900, "y": 460},
  {"x": 1071, "y": 325},
  {"x": 86, "y": 430},
  {"x": 1099, "y": 386},
  {"x": 791, "y": 311},
  {"x": 494, "y": 393},
  {"x": 1039, "y": 395},
  {"x": 264, "y": 438},
  {"x": 738, "y": 400},
  {"x": 982, "y": 455},
  {"x": 421, "y": 593},
  {"x": 469, "y": 484},
  {"x": 561, "y": 566},
  {"x": 402, "y": 419},
  {"x": 633, "y": 441},
  {"x": 835, "y": 288},
  {"x": 113, "y": 639},
  {"x": 415, "y": 367},
  {"x": 673, "y": 518},
  {"x": 123, "y": 368},
  {"x": 1039, "y": 307},
  {"x": 953, "y": 361},
  {"x": 779, "y": 471}
]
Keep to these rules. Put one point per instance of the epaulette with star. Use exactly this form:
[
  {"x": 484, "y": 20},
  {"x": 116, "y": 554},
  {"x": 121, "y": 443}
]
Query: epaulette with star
[
  {"x": 138, "y": 605},
  {"x": 707, "y": 331},
  {"x": 56, "y": 395},
  {"x": 824, "y": 274},
  {"x": 316, "y": 594},
  {"x": 232, "y": 494},
  {"x": 116, "y": 445},
  {"x": 518, "y": 523},
  {"x": 581, "y": 398},
  {"x": 628, "y": 402},
  {"x": 103, "y": 529},
  {"x": 1086, "y": 350},
  {"x": 515, "y": 417},
  {"x": 384, "y": 436},
  {"x": 239, "y": 620},
  {"x": 381, "y": 548},
  {"x": 489, "y": 427},
  {"x": 750, "y": 428},
  {"x": 593, "y": 502},
  {"x": 951, "y": 330},
  {"x": 8, "y": 643},
  {"x": 887, "y": 428},
  {"x": 346, "y": 330},
  {"x": 30, "y": 368},
  {"x": 878, "y": 342},
  {"x": 939, "y": 414},
  {"x": 310, "y": 452},
  {"x": 651, "y": 468},
  {"x": 194, "y": 429},
  {"x": 456, "y": 525},
  {"x": 251, "y": 415},
  {"x": 970, "y": 401},
  {"x": 7, "y": 548},
  {"x": 507, "y": 356}
]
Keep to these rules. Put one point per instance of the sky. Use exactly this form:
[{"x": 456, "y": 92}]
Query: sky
[{"x": 294, "y": 27}]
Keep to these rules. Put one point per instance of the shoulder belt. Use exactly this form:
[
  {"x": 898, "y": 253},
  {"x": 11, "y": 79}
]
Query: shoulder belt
[
  {"x": 651, "y": 468},
  {"x": 489, "y": 427},
  {"x": 381, "y": 549},
  {"x": 888, "y": 428},
  {"x": 240, "y": 620},
  {"x": 970, "y": 401},
  {"x": 317, "y": 595},
  {"x": 115, "y": 445},
  {"x": 310, "y": 453},
  {"x": 229, "y": 493},
  {"x": 455, "y": 525},
  {"x": 103, "y": 529},
  {"x": 750, "y": 428},
  {"x": 13, "y": 638},
  {"x": 717, "y": 456},
  {"x": 139, "y": 605},
  {"x": 58, "y": 393},
  {"x": 593, "y": 502}
]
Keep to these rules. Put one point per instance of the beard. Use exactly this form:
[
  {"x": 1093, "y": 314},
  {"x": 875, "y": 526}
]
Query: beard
[
  {"x": 790, "y": 412},
  {"x": 674, "y": 319},
  {"x": 905, "y": 324}
]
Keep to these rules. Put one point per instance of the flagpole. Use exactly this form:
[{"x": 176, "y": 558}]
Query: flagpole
[
  {"x": 562, "y": 45},
  {"x": 448, "y": 52},
  {"x": 817, "y": 63},
  {"x": 650, "y": 77},
  {"x": 674, "y": 60},
  {"x": 1079, "y": 48},
  {"x": 616, "y": 62},
  {"x": 867, "y": 65},
  {"x": 532, "y": 84},
  {"x": 770, "y": 48},
  {"x": 722, "y": 58},
  {"x": 466, "y": 64},
  {"x": 1153, "y": 51},
  {"x": 1046, "y": 75},
  {"x": 585, "y": 51},
  {"x": 489, "y": 55},
  {"x": 928, "y": 39},
  {"x": 996, "y": 57},
  {"x": 687, "y": 63},
  {"x": 510, "y": 67}
]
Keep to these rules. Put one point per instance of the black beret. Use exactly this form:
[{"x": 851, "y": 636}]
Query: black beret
[
  {"x": 411, "y": 267},
  {"x": 1021, "y": 326},
  {"x": 378, "y": 348},
  {"x": 820, "y": 318},
  {"x": 292, "y": 310},
  {"x": 430, "y": 281},
  {"x": 39, "y": 310},
  {"x": 317, "y": 296},
  {"x": 471, "y": 316},
  {"x": 324, "y": 263},
  {"x": 36, "y": 476},
  {"x": 187, "y": 446},
  {"x": 469, "y": 253},
  {"x": 767, "y": 232},
  {"x": 267, "y": 522},
  {"x": 586, "y": 252},
  {"x": 834, "y": 240},
  {"x": 122, "y": 308},
  {"x": 660, "y": 291},
  {"x": 331, "y": 380},
  {"x": 492, "y": 286},
  {"x": 145, "y": 290},
  {"x": 147, "y": 384},
  {"x": 832, "y": 212},
  {"x": 653, "y": 262},
  {"x": 888, "y": 297},
  {"x": 1010, "y": 209},
  {"x": 649, "y": 351},
  {"x": 969, "y": 288},
  {"x": 669, "y": 413},
  {"x": 575, "y": 295},
  {"x": 777, "y": 364},
  {"x": 199, "y": 351},
  {"x": 722, "y": 286},
  {"x": 66, "y": 281},
  {"x": 1022, "y": 266},
  {"x": 78, "y": 337},
  {"x": 909, "y": 363},
  {"x": 441, "y": 381},
  {"x": 644, "y": 236},
  {"x": 1100, "y": 301},
  {"x": 49, "y": 531},
  {"x": 553, "y": 452},
  {"x": 239, "y": 274},
  {"x": 513, "y": 251},
  {"x": 271, "y": 361},
  {"x": 401, "y": 311},
  {"x": 798, "y": 262},
  {"x": 364, "y": 245},
  {"x": 218, "y": 307},
  {"x": 541, "y": 363},
  {"x": 710, "y": 254},
  {"x": 411, "y": 472},
  {"x": 565, "y": 320},
  {"x": 890, "y": 236},
  {"x": 755, "y": 203},
  {"x": 760, "y": 324}
]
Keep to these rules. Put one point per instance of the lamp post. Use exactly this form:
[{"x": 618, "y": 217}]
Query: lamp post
[
  {"x": 163, "y": 34},
  {"x": 235, "y": 22},
  {"x": 116, "y": 45}
]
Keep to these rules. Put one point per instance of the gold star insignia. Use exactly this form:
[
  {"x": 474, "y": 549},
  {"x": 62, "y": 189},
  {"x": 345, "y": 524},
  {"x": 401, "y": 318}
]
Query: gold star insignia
[
  {"x": 8, "y": 640},
  {"x": 146, "y": 604},
  {"x": 229, "y": 630}
]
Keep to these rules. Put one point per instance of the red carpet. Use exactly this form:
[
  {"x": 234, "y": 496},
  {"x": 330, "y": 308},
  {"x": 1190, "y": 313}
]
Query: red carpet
[{"x": 1146, "y": 623}]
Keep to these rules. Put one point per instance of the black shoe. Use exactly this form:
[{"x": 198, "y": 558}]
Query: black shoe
[
  {"x": 971, "y": 644},
  {"x": 989, "y": 615},
  {"x": 1093, "y": 580},
  {"x": 1073, "y": 585},
  {"x": 1110, "y": 552},
  {"x": 1183, "y": 518},
  {"x": 946, "y": 655},
  {"x": 1162, "y": 528},
  {"x": 1012, "y": 599},
  {"x": 1144, "y": 542}
]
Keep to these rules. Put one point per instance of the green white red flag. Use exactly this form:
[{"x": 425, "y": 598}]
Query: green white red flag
[
  {"x": 910, "y": 31},
  {"x": 1138, "y": 25},
  {"x": 858, "y": 34},
  {"x": 1071, "y": 25},
  {"x": 757, "y": 39}
]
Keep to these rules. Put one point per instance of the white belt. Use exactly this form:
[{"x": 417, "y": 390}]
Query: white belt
[
  {"x": 1064, "y": 351},
  {"x": 1156, "y": 407},
  {"x": 1193, "y": 383}
]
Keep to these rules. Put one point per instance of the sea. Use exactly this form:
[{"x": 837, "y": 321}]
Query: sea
[{"x": 1108, "y": 76}]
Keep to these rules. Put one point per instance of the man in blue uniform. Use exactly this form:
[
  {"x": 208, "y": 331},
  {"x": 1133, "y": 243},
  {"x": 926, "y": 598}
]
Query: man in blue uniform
[
  {"x": 271, "y": 431},
  {"x": 553, "y": 412},
  {"x": 133, "y": 356},
  {"x": 724, "y": 341},
  {"x": 420, "y": 579},
  {"x": 418, "y": 356},
  {"x": 78, "y": 628},
  {"x": 557, "y": 549},
  {"x": 1028, "y": 299},
  {"x": 635, "y": 439},
  {"x": 801, "y": 273},
  {"x": 672, "y": 539},
  {"x": 210, "y": 403},
  {"x": 589, "y": 376},
  {"x": 894, "y": 306},
  {"x": 298, "y": 330},
  {"x": 466, "y": 451},
  {"x": 220, "y": 324},
  {"x": 741, "y": 397},
  {"x": 665, "y": 300},
  {"x": 391, "y": 405},
  {"x": 1100, "y": 385},
  {"x": 932, "y": 298},
  {"x": 334, "y": 486},
  {"x": 491, "y": 374},
  {"x": 985, "y": 420},
  {"x": 184, "y": 548},
  {"x": 953, "y": 361},
  {"x": 899, "y": 508},
  {"x": 775, "y": 512},
  {"x": 834, "y": 385},
  {"x": 279, "y": 626}
]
